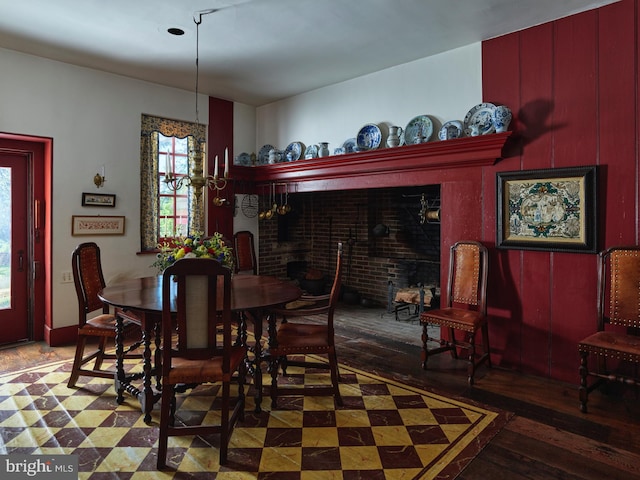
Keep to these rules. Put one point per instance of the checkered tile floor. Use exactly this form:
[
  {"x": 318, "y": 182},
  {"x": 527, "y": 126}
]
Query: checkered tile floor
[{"x": 385, "y": 430}]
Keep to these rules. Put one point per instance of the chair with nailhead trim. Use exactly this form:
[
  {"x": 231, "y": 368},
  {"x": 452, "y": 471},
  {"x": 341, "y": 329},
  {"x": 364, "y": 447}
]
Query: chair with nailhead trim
[
  {"x": 465, "y": 309},
  {"x": 615, "y": 346}
]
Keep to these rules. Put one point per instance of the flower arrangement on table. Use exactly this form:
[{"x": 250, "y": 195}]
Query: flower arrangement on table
[{"x": 194, "y": 246}]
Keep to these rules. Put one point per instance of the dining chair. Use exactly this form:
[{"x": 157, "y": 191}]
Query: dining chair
[
  {"x": 465, "y": 308},
  {"x": 245, "y": 252},
  {"x": 88, "y": 279},
  {"x": 302, "y": 338},
  {"x": 197, "y": 348},
  {"x": 615, "y": 345}
]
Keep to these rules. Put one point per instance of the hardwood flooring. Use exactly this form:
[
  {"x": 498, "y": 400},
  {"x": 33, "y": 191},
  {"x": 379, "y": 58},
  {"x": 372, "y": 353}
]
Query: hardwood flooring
[{"x": 547, "y": 437}]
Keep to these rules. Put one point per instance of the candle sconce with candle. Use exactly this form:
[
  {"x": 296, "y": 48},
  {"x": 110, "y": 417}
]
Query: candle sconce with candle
[
  {"x": 197, "y": 180},
  {"x": 98, "y": 178}
]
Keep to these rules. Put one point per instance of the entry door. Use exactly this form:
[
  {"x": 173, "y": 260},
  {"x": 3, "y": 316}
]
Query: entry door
[{"x": 14, "y": 254}]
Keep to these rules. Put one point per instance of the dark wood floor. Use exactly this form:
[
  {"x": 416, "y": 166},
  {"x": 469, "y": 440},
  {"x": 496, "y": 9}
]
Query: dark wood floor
[{"x": 547, "y": 437}]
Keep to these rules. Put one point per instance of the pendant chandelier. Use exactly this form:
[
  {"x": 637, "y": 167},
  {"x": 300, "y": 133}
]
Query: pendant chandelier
[{"x": 196, "y": 180}]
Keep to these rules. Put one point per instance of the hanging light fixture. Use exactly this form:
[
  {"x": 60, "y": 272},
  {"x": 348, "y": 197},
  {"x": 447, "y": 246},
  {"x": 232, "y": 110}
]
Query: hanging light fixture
[{"x": 196, "y": 180}]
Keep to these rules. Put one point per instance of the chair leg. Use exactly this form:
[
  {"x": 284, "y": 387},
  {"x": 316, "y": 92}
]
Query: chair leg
[
  {"x": 453, "y": 342},
  {"x": 224, "y": 423},
  {"x": 471, "y": 367},
  {"x": 77, "y": 361},
  {"x": 485, "y": 343},
  {"x": 583, "y": 391},
  {"x": 102, "y": 346},
  {"x": 273, "y": 368},
  {"x": 166, "y": 402},
  {"x": 333, "y": 365},
  {"x": 425, "y": 339}
]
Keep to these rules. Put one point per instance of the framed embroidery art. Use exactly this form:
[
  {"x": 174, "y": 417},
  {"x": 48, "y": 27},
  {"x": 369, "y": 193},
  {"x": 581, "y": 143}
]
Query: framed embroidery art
[
  {"x": 97, "y": 225},
  {"x": 552, "y": 210}
]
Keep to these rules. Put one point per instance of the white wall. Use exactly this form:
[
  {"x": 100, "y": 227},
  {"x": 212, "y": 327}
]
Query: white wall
[
  {"x": 94, "y": 119},
  {"x": 444, "y": 86}
]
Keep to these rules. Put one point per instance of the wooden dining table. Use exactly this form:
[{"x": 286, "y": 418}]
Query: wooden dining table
[{"x": 251, "y": 297}]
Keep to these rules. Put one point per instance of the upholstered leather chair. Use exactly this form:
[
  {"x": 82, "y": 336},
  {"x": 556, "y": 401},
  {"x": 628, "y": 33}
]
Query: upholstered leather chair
[
  {"x": 245, "y": 253},
  {"x": 198, "y": 348},
  {"x": 464, "y": 310},
  {"x": 615, "y": 344},
  {"x": 89, "y": 280},
  {"x": 300, "y": 338}
]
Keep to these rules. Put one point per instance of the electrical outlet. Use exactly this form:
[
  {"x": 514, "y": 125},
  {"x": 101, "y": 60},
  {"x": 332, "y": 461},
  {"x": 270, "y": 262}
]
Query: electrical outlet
[{"x": 67, "y": 277}]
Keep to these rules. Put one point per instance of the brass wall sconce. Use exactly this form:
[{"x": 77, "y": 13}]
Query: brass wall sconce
[{"x": 98, "y": 178}]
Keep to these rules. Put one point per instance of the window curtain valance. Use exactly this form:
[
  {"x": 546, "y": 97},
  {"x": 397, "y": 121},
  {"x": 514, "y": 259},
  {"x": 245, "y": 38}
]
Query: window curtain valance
[{"x": 150, "y": 128}]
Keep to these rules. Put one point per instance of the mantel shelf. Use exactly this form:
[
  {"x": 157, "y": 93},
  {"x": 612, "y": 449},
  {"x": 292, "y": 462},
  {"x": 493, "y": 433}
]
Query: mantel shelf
[{"x": 371, "y": 167}]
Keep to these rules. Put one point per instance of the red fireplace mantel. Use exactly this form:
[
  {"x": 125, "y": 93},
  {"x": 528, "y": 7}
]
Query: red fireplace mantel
[{"x": 387, "y": 167}]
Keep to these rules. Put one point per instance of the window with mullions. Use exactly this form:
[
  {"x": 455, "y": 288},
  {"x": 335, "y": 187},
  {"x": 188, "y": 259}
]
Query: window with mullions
[
  {"x": 165, "y": 145},
  {"x": 173, "y": 205}
]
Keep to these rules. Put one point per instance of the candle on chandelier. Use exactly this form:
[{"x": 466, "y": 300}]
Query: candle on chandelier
[
  {"x": 226, "y": 162},
  {"x": 215, "y": 168},
  {"x": 167, "y": 166}
]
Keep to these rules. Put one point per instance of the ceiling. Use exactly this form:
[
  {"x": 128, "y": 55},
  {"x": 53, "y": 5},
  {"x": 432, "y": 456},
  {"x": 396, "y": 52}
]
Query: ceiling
[{"x": 259, "y": 51}]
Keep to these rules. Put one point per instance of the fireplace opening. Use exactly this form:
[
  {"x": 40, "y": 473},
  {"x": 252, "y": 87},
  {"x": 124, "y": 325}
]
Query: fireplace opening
[{"x": 388, "y": 235}]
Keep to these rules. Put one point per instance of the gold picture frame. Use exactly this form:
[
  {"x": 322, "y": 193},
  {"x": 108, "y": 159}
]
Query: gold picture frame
[
  {"x": 82, "y": 225},
  {"x": 551, "y": 210}
]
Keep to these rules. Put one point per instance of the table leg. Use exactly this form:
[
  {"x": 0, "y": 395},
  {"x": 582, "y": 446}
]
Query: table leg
[
  {"x": 120, "y": 379},
  {"x": 257, "y": 350}
]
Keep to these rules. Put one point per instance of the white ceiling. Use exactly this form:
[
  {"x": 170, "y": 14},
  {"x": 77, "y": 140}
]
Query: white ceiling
[{"x": 259, "y": 51}]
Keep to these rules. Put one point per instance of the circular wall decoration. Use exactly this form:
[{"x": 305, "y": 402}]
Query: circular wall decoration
[{"x": 250, "y": 206}]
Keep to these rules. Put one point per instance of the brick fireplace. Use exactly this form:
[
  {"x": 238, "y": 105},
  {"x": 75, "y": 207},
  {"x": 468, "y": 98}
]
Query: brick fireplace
[
  {"x": 406, "y": 252},
  {"x": 343, "y": 198}
]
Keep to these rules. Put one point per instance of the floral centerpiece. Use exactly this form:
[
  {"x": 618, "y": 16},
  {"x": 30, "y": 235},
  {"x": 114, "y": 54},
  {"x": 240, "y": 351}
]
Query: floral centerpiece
[{"x": 194, "y": 246}]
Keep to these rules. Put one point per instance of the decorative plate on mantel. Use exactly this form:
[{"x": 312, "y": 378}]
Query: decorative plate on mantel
[
  {"x": 369, "y": 137},
  {"x": 350, "y": 145},
  {"x": 263, "y": 154},
  {"x": 480, "y": 117},
  {"x": 293, "y": 151},
  {"x": 418, "y": 130}
]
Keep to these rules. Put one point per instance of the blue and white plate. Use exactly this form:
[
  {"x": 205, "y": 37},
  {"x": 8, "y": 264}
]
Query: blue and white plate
[
  {"x": 293, "y": 152},
  {"x": 350, "y": 145},
  {"x": 263, "y": 154},
  {"x": 311, "y": 152},
  {"x": 480, "y": 116},
  {"x": 451, "y": 129},
  {"x": 369, "y": 137},
  {"x": 418, "y": 130},
  {"x": 244, "y": 160}
]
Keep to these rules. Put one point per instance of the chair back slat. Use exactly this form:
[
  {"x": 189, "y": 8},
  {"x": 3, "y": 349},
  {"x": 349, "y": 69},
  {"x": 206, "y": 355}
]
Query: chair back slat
[
  {"x": 624, "y": 286},
  {"x": 467, "y": 274},
  {"x": 88, "y": 278},
  {"x": 245, "y": 253},
  {"x": 202, "y": 289}
]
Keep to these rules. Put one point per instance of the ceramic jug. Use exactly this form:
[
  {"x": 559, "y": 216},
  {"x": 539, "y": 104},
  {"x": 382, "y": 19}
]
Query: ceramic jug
[
  {"x": 323, "y": 149},
  {"x": 501, "y": 118},
  {"x": 393, "y": 140}
]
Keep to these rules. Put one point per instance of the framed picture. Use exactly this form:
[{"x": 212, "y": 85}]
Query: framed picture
[
  {"x": 98, "y": 200},
  {"x": 552, "y": 210},
  {"x": 98, "y": 225}
]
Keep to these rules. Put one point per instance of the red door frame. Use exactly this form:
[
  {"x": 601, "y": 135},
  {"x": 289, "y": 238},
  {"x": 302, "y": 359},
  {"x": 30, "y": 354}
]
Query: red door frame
[{"x": 40, "y": 149}]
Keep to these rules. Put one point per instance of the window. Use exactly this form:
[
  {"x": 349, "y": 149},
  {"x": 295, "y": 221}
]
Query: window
[
  {"x": 173, "y": 205},
  {"x": 164, "y": 144}
]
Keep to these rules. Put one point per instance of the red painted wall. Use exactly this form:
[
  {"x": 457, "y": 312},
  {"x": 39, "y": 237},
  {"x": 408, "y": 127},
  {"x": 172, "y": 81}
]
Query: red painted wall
[{"x": 572, "y": 87}]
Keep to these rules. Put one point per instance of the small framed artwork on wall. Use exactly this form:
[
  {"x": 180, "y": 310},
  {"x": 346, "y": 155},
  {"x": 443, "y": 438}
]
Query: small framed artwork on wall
[
  {"x": 97, "y": 225},
  {"x": 98, "y": 200},
  {"x": 552, "y": 209}
]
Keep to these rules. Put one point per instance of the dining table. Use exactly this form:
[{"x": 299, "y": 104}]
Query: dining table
[{"x": 251, "y": 297}]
